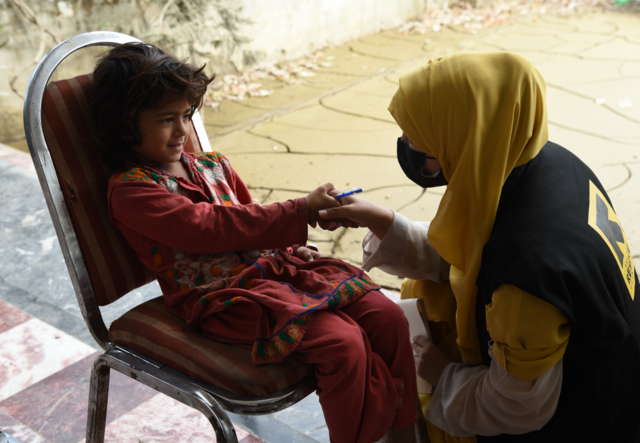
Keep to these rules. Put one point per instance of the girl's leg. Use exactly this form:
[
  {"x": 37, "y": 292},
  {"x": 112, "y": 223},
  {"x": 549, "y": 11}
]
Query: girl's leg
[
  {"x": 235, "y": 325},
  {"x": 359, "y": 397},
  {"x": 388, "y": 333}
]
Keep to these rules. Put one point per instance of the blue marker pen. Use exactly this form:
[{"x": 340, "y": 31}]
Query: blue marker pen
[{"x": 349, "y": 192}]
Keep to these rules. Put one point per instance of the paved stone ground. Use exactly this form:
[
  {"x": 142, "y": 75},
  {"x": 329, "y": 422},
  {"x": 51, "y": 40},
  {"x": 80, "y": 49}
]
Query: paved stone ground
[{"x": 335, "y": 128}]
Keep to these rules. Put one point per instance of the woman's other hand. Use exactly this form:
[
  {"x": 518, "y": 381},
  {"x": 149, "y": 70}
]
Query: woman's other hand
[
  {"x": 307, "y": 254},
  {"x": 431, "y": 360},
  {"x": 363, "y": 213}
]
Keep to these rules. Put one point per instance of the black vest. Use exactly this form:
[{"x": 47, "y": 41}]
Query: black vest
[{"x": 556, "y": 237}]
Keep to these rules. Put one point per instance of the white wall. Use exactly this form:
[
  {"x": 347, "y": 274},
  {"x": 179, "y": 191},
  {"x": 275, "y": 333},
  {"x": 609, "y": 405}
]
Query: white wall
[
  {"x": 290, "y": 28},
  {"x": 280, "y": 30}
]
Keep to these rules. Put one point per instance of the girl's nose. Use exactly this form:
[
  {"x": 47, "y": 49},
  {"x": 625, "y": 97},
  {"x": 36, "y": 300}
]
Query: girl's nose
[{"x": 182, "y": 127}]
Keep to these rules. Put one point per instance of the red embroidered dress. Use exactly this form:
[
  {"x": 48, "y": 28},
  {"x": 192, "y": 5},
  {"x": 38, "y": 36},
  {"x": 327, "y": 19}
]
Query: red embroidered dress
[{"x": 210, "y": 247}]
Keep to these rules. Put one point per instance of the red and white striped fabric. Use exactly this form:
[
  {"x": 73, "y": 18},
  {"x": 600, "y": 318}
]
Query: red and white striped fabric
[
  {"x": 113, "y": 265},
  {"x": 150, "y": 329}
]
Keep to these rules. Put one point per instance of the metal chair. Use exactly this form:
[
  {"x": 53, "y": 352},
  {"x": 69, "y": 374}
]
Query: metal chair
[{"x": 103, "y": 267}]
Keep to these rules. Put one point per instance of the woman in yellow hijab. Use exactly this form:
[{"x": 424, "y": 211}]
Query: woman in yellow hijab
[{"x": 525, "y": 270}]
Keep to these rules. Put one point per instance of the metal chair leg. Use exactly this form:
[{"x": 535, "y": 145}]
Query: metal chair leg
[
  {"x": 154, "y": 377},
  {"x": 421, "y": 426},
  {"x": 225, "y": 433},
  {"x": 98, "y": 399}
]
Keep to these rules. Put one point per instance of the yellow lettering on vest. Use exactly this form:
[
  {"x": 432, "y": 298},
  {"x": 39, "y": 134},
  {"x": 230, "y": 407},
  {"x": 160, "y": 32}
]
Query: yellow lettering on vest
[{"x": 605, "y": 222}]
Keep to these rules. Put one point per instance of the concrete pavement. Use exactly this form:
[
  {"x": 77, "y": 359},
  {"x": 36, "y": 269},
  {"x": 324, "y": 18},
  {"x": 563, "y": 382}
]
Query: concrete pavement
[{"x": 336, "y": 128}]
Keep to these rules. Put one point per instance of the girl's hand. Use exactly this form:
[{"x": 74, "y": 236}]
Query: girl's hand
[
  {"x": 363, "y": 213},
  {"x": 307, "y": 254},
  {"x": 322, "y": 198},
  {"x": 319, "y": 199},
  {"x": 329, "y": 225},
  {"x": 431, "y": 360}
]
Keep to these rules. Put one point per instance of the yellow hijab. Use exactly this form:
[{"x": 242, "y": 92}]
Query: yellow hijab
[{"x": 481, "y": 115}]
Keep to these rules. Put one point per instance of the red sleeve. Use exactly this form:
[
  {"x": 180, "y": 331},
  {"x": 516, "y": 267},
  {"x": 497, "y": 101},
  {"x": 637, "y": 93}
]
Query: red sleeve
[
  {"x": 148, "y": 209},
  {"x": 235, "y": 182}
]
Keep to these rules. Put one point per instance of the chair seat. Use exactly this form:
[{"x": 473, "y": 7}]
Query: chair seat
[{"x": 151, "y": 330}]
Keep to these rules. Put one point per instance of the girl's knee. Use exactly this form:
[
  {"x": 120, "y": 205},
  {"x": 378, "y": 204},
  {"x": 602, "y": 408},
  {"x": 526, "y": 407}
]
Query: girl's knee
[
  {"x": 332, "y": 341},
  {"x": 392, "y": 320},
  {"x": 396, "y": 315},
  {"x": 351, "y": 350}
]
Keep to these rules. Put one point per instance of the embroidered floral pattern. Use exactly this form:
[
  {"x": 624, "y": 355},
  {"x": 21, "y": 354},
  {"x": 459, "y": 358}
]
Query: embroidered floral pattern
[
  {"x": 157, "y": 260},
  {"x": 226, "y": 200},
  {"x": 285, "y": 340},
  {"x": 208, "y": 159},
  {"x": 134, "y": 174},
  {"x": 264, "y": 278},
  {"x": 210, "y": 165},
  {"x": 194, "y": 270}
]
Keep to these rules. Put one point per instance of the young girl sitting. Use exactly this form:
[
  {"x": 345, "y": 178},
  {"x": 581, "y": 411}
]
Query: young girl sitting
[{"x": 240, "y": 271}]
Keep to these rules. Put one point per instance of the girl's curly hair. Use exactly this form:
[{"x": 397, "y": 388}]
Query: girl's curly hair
[{"x": 133, "y": 77}]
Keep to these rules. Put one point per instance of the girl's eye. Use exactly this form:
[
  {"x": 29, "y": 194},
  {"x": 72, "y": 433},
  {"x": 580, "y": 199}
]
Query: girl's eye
[
  {"x": 166, "y": 120},
  {"x": 186, "y": 117}
]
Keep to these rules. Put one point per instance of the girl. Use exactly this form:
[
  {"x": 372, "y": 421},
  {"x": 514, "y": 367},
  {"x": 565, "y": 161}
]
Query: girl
[{"x": 240, "y": 271}]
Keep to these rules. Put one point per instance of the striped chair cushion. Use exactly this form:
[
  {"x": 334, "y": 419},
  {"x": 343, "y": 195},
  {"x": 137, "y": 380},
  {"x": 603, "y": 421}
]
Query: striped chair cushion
[
  {"x": 155, "y": 332},
  {"x": 114, "y": 268}
]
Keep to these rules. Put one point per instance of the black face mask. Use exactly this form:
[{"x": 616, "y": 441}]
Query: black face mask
[{"x": 412, "y": 163}]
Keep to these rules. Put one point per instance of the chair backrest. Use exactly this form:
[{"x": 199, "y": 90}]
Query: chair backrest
[
  {"x": 102, "y": 265},
  {"x": 114, "y": 268}
]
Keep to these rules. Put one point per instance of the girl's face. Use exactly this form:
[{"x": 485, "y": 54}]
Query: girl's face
[{"x": 163, "y": 132}]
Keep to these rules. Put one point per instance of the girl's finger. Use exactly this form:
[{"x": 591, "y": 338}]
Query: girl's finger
[
  {"x": 306, "y": 255},
  {"x": 327, "y": 224},
  {"x": 347, "y": 223}
]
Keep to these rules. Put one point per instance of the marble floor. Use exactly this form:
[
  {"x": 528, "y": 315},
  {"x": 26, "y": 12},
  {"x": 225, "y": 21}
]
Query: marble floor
[{"x": 46, "y": 353}]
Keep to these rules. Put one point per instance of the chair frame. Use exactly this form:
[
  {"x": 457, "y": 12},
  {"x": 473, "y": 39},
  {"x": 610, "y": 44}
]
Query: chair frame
[{"x": 210, "y": 400}]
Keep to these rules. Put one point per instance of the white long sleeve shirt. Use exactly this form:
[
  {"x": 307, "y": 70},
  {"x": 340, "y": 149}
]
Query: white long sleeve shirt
[{"x": 467, "y": 401}]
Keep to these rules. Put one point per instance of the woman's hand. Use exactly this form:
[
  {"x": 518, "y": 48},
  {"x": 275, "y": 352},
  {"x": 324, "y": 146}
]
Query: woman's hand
[
  {"x": 307, "y": 254},
  {"x": 363, "y": 213},
  {"x": 431, "y": 360}
]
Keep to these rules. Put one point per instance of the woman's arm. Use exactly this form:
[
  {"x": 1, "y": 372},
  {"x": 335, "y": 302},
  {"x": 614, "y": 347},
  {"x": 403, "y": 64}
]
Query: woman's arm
[
  {"x": 404, "y": 251},
  {"x": 395, "y": 244},
  {"x": 488, "y": 401},
  {"x": 363, "y": 213},
  {"x": 519, "y": 392}
]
